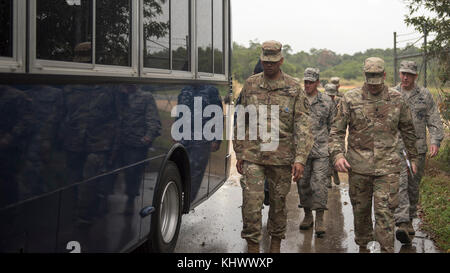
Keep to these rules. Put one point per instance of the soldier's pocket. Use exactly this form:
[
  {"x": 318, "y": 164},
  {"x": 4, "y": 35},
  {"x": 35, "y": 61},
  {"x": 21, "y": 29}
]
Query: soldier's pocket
[
  {"x": 358, "y": 118},
  {"x": 394, "y": 185}
]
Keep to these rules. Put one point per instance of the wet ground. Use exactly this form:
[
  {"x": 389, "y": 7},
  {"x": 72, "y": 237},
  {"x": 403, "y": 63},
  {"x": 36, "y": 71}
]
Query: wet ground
[{"x": 215, "y": 225}]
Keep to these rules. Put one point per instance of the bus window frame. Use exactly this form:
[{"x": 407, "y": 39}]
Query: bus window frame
[
  {"x": 214, "y": 76},
  {"x": 16, "y": 63},
  {"x": 147, "y": 72},
  {"x": 40, "y": 66}
]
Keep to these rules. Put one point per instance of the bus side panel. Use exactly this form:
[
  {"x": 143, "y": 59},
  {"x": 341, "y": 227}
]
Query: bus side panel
[{"x": 31, "y": 226}]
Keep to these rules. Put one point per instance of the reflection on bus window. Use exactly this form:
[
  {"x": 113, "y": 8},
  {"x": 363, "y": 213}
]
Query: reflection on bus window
[
  {"x": 6, "y": 7},
  {"x": 204, "y": 35},
  {"x": 218, "y": 36},
  {"x": 157, "y": 34},
  {"x": 180, "y": 36},
  {"x": 64, "y": 30},
  {"x": 113, "y": 32}
]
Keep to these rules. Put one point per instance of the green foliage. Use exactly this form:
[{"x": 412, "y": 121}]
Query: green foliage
[
  {"x": 345, "y": 66},
  {"x": 434, "y": 201},
  {"x": 436, "y": 23}
]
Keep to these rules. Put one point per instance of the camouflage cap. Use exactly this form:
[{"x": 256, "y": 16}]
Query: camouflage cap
[
  {"x": 374, "y": 70},
  {"x": 311, "y": 74},
  {"x": 335, "y": 80},
  {"x": 408, "y": 67},
  {"x": 330, "y": 89},
  {"x": 271, "y": 51}
]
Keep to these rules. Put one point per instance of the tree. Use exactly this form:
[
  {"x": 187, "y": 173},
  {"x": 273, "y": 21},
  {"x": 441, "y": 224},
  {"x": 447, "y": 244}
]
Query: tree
[{"x": 438, "y": 23}]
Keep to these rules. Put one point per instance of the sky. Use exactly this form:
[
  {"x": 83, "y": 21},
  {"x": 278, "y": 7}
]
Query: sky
[{"x": 343, "y": 26}]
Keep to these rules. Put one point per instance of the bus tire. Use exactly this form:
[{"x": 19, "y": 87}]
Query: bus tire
[{"x": 166, "y": 220}]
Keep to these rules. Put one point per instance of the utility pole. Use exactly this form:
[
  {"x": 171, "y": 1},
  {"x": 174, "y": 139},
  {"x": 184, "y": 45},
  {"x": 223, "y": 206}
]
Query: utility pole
[
  {"x": 425, "y": 34},
  {"x": 395, "y": 59}
]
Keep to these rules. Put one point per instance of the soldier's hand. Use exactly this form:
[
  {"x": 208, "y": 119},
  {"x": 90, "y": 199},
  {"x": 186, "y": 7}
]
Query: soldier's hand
[
  {"x": 434, "y": 150},
  {"x": 146, "y": 140},
  {"x": 239, "y": 166},
  {"x": 297, "y": 171},
  {"x": 342, "y": 165},
  {"x": 414, "y": 167}
]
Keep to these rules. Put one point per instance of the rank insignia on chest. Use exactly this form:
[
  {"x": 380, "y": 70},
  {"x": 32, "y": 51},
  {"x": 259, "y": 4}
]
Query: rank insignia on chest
[{"x": 286, "y": 109}]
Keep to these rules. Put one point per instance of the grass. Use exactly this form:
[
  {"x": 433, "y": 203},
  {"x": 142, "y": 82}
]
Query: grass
[
  {"x": 434, "y": 202},
  {"x": 435, "y": 197}
]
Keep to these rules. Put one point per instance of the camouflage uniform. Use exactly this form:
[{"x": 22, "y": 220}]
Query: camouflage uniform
[
  {"x": 424, "y": 114},
  {"x": 335, "y": 81},
  {"x": 199, "y": 150},
  {"x": 295, "y": 142},
  {"x": 139, "y": 118},
  {"x": 47, "y": 104},
  {"x": 312, "y": 187},
  {"x": 374, "y": 124},
  {"x": 90, "y": 133},
  {"x": 15, "y": 130},
  {"x": 333, "y": 93}
]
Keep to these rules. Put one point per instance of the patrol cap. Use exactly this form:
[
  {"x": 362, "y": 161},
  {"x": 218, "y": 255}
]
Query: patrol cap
[
  {"x": 335, "y": 80},
  {"x": 408, "y": 67},
  {"x": 374, "y": 70},
  {"x": 271, "y": 51},
  {"x": 311, "y": 74},
  {"x": 330, "y": 89}
]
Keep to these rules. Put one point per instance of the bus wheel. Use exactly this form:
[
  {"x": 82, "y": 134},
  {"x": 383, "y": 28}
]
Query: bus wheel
[{"x": 166, "y": 220}]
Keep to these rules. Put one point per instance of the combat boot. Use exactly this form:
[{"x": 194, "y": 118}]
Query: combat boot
[
  {"x": 252, "y": 247},
  {"x": 308, "y": 221},
  {"x": 411, "y": 230},
  {"x": 275, "y": 245},
  {"x": 402, "y": 234},
  {"x": 320, "y": 227}
]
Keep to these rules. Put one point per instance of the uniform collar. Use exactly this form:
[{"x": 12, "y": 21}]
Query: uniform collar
[
  {"x": 413, "y": 92},
  {"x": 383, "y": 96},
  {"x": 273, "y": 84},
  {"x": 318, "y": 98}
]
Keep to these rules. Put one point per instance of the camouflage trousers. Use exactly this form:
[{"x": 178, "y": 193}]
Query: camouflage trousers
[
  {"x": 409, "y": 192},
  {"x": 312, "y": 187},
  {"x": 252, "y": 183},
  {"x": 384, "y": 190},
  {"x": 333, "y": 174}
]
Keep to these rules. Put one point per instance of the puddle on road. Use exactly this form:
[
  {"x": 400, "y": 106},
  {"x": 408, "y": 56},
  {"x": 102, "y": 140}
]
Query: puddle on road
[{"x": 215, "y": 226}]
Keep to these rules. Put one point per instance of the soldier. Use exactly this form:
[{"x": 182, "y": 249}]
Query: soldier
[
  {"x": 332, "y": 91},
  {"x": 199, "y": 150},
  {"x": 335, "y": 81},
  {"x": 139, "y": 127},
  {"x": 375, "y": 116},
  {"x": 15, "y": 131},
  {"x": 258, "y": 69},
  {"x": 312, "y": 187},
  {"x": 425, "y": 115},
  {"x": 270, "y": 89}
]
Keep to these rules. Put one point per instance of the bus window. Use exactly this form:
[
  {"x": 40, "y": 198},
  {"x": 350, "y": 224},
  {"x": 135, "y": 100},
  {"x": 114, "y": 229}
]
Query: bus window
[
  {"x": 204, "y": 35},
  {"x": 6, "y": 11},
  {"x": 113, "y": 32},
  {"x": 64, "y": 30},
  {"x": 218, "y": 37},
  {"x": 181, "y": 36},
  {"x": 157, "y": 34}
]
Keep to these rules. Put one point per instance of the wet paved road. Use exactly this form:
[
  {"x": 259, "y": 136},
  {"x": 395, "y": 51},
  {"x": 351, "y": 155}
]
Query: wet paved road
[{"x": 215, "y": 226}]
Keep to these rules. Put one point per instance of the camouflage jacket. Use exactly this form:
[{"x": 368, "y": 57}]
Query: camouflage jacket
[
  {"x": 424, "y": 114},
  {"x": 374, "y": 124},
  {"x": 322, "y": 113},
  {"x": 139, "y": 118},
  {"x": 91, "y": 119},
  {"x": 295, "y": 139}
]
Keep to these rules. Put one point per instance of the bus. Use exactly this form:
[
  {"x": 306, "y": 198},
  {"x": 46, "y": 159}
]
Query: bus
[{"x": 90, "y": 100}]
